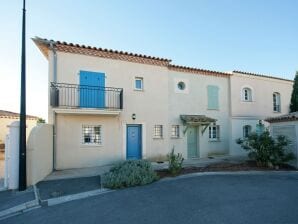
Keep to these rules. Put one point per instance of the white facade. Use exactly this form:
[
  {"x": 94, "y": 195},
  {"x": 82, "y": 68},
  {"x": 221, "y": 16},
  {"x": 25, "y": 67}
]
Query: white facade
[{"x": 161, "y": 94}]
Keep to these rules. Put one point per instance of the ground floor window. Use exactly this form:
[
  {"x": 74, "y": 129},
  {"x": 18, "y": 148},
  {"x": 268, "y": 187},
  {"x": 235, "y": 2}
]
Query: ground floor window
[
  {"x": 214, "y": 132},
  {"x": 158, "y": 132},
  {"x": 175, "y": 131},
  {"x": 92, "y": 134},
  {"x": 246, "y": 131}
]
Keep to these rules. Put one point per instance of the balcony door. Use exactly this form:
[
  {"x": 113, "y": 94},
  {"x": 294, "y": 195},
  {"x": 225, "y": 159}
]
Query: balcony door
[{"x": 92, "y": 89}]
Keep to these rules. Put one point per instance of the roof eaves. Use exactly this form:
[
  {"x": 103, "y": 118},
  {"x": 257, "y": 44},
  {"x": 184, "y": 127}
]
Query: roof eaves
[
  {"x": 197, "y": 70},
  {"x": 261, "y": 75}
]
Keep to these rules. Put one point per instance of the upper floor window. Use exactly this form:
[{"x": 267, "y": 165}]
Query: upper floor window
[
  {"x": 214, "y": 132},
  {"x": 246, "y": 94},
  {"x": 91, "y": 134},
  {"x": 276, "y": 102},
  {"x": 139, "y": 83},
  {"x": 246, "y": 131},
  {"x": 158, "y": 132},
  {"x": 175, "y": 131},
  {"x": 212, "y": 92}
]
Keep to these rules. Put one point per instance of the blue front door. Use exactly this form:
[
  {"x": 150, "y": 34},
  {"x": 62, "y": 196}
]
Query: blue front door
[
  {"x": 92, "y": 91},
  {"x": 134, "y": 142}
]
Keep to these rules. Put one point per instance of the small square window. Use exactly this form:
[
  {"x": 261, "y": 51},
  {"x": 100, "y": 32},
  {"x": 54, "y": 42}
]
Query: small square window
[
  {"x": 175, "y": 133},
  {"x": 91, "y": 134},
  {"x": 139, "y": 83},
  {"x": 158, "y": 133},
  {"x": 214, "y": 132}
]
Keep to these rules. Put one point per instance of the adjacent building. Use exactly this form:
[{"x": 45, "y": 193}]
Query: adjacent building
[{"x": 109, "y": 105}]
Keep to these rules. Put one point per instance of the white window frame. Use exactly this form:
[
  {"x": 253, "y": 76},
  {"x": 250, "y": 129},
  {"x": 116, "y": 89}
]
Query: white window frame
[
  {"x": 158, "y": 134},
  {"x": 185, "y": 90},
  {"x": 211, "y": 133},
  {"x": 247, "y": 129},
  {"x": 276, "y": 102},
  {"x": 175, "y": 131},
  {"x": 142, "y": 83},
  {"x": 247, "y": 90},
  {"x": 92, "y": 138}
]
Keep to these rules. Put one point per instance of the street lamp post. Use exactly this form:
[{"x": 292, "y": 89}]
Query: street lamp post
[{"x": 22, "y": 161}]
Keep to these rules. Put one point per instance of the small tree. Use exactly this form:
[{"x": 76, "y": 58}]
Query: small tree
[
  {"x": 265, "y": 150},
  {"x": 41, "y": 121},
  {"x": 294, "y": 97}
]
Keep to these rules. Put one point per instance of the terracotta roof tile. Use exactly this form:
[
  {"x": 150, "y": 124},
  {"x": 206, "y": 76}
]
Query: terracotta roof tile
[
  {"x": 9, "y": 114},
  {"x": 287, "y": 117},
  {"x": 197, "y": 70},
  {"x": 44, "y": 46},
  {"x": 260, "y": 75}
]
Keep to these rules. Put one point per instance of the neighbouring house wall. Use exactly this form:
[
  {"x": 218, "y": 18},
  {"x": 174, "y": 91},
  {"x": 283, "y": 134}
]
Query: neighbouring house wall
[
  {"x": 39, "y": 153},
  {"x": 194, "y": 102},
  {"x": 261, "y": 107},
  {"x": 4, "y": 122},
  {"x": 290, "y": 130},
  {"x": 262, "y": 99}
]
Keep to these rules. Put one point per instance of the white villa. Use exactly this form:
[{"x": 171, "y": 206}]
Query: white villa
[{"x": 108, "y": 105}]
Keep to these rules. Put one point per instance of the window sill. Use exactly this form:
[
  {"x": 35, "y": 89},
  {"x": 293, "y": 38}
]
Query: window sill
[
  {"x": 138, "y": 90},
  {"x": 213, "y": 109},
  {"x": 175, "y": 137},
  {"x": 247, "y": 101},
  {"x": 214, "y": 140},
  {"x": 157, "y": 138},
  {"x": 90, "y": 146},
  {"x": 277, "y": 112}
]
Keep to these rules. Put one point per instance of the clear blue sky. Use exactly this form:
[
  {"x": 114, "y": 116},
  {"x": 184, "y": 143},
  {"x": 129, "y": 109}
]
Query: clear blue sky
[{"x": 258, "y": 36}]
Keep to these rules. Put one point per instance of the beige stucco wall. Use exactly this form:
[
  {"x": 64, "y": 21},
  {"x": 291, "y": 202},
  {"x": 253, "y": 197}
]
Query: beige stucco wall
[
  {"x": 39, "y": 153},
  {"x": 159, "y": 103},
  {"x": 149, "y": 105},
  {"x": 195, "y": 101},
  {"x": 4, "y": 122},
  {"x": 261, "y": 107},
  {"x": 262, "y": 100}
]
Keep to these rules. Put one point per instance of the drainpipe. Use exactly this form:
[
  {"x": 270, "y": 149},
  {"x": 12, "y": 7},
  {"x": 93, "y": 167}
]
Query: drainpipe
[{"x": 52, "y": 48}]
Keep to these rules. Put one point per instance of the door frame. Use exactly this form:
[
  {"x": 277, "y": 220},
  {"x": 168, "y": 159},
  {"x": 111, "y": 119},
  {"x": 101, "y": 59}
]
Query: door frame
[
  {"x": 124, "y": 139},
  {"x": 197, "y": 141}
]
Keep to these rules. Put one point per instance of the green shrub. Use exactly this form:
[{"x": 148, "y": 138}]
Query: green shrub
[
  {"x": 265, "y": 150},
  {"x": 129, "y": 173},
  {"x": 175, "y": 162}
]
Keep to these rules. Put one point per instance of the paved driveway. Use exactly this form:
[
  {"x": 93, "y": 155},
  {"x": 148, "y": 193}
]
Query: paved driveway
[{"x": 268, "y": 198}]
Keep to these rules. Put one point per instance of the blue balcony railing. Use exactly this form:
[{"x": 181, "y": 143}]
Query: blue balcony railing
[{"x": 82, "y": 96}]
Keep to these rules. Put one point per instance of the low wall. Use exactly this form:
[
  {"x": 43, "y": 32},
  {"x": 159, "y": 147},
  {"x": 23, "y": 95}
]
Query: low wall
[{"x": 39, "y": 153}]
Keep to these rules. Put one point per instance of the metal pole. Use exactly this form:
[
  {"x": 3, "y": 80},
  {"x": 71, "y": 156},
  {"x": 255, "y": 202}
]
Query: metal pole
[{"x": 22, "y": 164}]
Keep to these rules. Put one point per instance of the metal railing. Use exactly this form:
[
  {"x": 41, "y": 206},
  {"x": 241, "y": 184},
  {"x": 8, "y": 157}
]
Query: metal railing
[{"x": 83, "y": 96}]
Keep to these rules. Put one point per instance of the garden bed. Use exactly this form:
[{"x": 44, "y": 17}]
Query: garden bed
[{"x": 224, "y": 166}]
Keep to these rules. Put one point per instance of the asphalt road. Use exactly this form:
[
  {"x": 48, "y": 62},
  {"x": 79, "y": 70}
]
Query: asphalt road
[{"x": 267, "y": 198}]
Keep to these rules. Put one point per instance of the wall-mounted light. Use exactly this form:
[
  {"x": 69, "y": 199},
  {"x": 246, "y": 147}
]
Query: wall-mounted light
[{"x": 133, "y": 116}]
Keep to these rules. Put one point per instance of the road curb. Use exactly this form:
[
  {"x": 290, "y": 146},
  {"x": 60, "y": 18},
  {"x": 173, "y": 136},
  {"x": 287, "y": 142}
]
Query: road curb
[
  {"x": 19, "y": 209},
  {"x": 225, "y": 173},
  {"x": 72, "y": 197}
]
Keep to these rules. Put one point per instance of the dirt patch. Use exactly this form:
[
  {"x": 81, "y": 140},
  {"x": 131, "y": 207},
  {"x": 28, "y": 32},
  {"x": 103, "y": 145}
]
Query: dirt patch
[{"x": 225, "y": 166}]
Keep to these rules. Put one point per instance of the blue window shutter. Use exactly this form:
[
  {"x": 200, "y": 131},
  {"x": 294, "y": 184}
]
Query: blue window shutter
[{"x": 212, "y": 92}]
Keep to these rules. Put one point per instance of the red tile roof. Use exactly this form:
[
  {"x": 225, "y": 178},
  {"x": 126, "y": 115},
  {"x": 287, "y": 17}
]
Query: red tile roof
[
  {"x": 44, "y": 46},
  {"x": 287, "y": 117},
  {"x": 9, "y": 114},
  {"x": 261, "y": 75},
  {"x": 197, "y": 70}
]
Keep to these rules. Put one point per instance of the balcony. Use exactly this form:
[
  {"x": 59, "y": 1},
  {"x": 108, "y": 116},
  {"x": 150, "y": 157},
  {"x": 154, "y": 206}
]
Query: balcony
[{"x": 82, "y": 99}]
